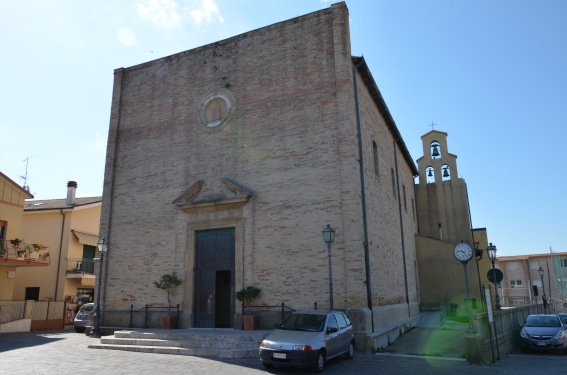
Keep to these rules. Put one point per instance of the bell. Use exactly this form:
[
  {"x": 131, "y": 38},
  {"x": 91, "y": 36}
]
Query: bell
[
  {"x": 429, "y": 173},
  {"x": 446, "y": 172},
  {"x": 435, "y": 152}
]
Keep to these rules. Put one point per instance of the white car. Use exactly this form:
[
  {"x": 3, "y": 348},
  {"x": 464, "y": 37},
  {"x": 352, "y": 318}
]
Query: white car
[
  {"x": 84, "y": 317},
  {"x": 308, "y": 339}
]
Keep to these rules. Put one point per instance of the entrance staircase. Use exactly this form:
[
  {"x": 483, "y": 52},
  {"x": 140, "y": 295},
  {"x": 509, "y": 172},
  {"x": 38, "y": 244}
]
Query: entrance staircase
[{"x": 218, "y": 343}]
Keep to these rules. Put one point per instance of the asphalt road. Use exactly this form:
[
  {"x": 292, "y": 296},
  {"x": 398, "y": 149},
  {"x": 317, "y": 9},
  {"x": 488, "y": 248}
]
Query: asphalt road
[{"x": 67, "y": 352}]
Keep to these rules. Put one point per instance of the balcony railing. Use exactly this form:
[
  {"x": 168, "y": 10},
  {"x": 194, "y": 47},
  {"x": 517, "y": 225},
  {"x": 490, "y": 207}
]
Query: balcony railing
[
  {"x": 17, "y": 252},
  {"x": 79, "y": 267}
]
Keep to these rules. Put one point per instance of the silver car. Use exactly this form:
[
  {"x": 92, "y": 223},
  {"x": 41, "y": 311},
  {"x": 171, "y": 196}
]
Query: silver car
[
  {"x": 543, "y": 332},
  {"x": 84, "y": 317},
  {"x": 308, "y": 339}
]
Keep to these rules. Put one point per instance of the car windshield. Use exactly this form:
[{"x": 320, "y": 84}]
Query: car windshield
[
  {"x": 304, "y": 322},
  {"x": 86, "y": 308},
  {"x": 543, "y": 321},
  {"x": 563, "y": 318}
]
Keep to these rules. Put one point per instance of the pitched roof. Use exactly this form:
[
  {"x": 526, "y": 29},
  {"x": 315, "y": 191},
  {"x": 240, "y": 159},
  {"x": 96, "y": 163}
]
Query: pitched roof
[
  {"x": 364, "y": 71},
  {"x": 55, "y": 204}
]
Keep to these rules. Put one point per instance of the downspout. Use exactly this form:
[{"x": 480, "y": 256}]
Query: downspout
[
  {"x": 477, "y": 258},
  {"x": 60, "y": 252},
  {"x": 401, "y": 226},
  {"x": 363, "y": 195}
]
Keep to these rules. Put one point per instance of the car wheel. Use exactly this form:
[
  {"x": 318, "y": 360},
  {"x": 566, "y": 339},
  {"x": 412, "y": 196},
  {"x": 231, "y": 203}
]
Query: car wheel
[
  {"x": 320, "y": 362},
  {"x": 350, "y": 352},
  {"x": 80, "y": 329}
]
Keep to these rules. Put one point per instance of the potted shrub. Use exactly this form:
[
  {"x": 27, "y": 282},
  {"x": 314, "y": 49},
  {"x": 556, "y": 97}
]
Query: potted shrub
[
  {"x": 168, "y": 282},
  {"x": 246, "y": 296}
]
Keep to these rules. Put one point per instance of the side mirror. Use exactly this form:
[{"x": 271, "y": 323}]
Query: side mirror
[{"x": 332, "y": 330}]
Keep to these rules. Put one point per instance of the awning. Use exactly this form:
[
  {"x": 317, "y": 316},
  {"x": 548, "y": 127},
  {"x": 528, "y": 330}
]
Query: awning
[
  {"x": 88, "y": 281},
  {"x": 86, "y": 238}
]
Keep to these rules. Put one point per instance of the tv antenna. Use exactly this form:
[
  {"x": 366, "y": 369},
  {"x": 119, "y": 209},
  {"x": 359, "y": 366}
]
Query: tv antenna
[{"x": 25, "y": 177}]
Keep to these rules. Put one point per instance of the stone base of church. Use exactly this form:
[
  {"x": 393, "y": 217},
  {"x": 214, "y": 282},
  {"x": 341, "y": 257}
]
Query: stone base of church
[{"x": 390, "y": 322}]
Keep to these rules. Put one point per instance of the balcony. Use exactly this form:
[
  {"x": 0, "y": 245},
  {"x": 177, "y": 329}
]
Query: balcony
[
  {"x": 81, "y": 268},
  {"x": 17, "y": 253}
]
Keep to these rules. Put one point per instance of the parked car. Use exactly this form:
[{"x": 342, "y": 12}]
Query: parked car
[
  {"x": 308, "y": 339},
  {"x": 84, "y": 317},
  {"x": 543, "y": 332},
  {"x": 563, "y": 317}
]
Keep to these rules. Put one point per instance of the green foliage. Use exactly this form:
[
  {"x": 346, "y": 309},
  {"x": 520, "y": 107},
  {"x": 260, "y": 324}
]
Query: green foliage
[
  {"x": 248, "y": 294},
  {"x": 168, "y": 282}
]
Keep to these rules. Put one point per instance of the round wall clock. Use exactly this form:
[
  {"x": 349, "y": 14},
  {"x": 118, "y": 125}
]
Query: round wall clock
[{"x": 463, "y": 252}]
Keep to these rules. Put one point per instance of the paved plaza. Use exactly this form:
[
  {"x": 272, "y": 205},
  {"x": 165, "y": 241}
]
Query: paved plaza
[{"x": 67, "y": 352}]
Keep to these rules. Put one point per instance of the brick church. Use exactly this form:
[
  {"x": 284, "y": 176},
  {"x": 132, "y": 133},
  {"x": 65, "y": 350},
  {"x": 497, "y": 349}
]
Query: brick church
[{"x": 226, "y": 162}]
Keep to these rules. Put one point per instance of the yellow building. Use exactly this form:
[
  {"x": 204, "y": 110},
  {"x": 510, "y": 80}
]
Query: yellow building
[
  {"x": 15, "y": 253},
  {"x": 69, "y": 227}
]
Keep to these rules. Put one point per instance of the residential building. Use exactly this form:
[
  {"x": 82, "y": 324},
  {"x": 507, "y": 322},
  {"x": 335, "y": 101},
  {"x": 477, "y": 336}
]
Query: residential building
[
  {"x": 225, "y": 163},
  {"x": 14, "y": 254},
  {"x": 527, "y": 278},
  {"x": 69, "y": 227}
]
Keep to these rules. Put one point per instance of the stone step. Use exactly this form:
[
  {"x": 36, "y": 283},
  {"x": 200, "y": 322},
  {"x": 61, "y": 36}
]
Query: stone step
[
  {"x": 219, "y": 343},
  {"x": 216, "y": 344},
  {"x": 216, "y": 353}
]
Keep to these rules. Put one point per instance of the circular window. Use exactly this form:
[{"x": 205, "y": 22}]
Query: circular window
[{"x": 215, "y": 110}]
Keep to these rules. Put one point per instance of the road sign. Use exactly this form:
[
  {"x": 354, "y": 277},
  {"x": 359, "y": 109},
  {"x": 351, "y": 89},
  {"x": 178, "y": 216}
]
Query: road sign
[{"x": 495, "y": 272}]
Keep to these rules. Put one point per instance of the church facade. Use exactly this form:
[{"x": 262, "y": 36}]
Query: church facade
[{"x": 225, "y": 163}]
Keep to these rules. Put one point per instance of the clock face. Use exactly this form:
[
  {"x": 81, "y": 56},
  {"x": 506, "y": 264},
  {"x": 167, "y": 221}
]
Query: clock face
[{"x": 463, "y": 252}]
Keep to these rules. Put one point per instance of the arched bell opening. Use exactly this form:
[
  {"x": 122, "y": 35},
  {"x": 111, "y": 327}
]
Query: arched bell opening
[
  {"x": 435, "y": 150},
  {"x": 430, "y": 175},
  {"x": 445, "y": 172}
]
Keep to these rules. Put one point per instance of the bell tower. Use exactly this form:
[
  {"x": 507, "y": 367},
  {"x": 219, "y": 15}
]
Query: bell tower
[{"x": 442, "y": 202}]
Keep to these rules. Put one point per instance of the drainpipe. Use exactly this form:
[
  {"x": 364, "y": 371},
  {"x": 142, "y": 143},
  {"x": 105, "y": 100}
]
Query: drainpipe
[
  {"x": 481, "y": 289},
  {"x": 401, "y": 226},
  {"x": 60, "y": 253},
  {"x": 363, "y": 194}
]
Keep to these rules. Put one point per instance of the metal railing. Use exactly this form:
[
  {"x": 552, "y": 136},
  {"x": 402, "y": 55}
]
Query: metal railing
[
  {"x": 80, "y": 266},
  {"x": 282, "y": 306},
  {"x": 11, "y": 311},
  {"x": 147, "y": 309},
  {"x": 19, "y": 250}
]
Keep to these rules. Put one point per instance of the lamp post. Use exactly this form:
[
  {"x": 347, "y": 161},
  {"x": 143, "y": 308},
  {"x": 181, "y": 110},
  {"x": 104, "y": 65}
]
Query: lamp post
[
  {"x": 543, "y": 298},
  {"x": 491, "y": 250},
  {"x": 102, "y": 248},
  {"x": 329, "y": 238}
]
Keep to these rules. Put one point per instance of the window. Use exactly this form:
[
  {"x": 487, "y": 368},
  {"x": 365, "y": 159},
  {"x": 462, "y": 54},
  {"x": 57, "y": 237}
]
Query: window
[
  {"x": 563, "y": 263},
  {"x": 405, "y": 203},
  {"x": 513, "y": 266},
  {"x": 393, "y": 181},
  {"x": 515, "y": 283},
  {"x": 412, "y": 209},
  {"x": 375, "y": 154}
]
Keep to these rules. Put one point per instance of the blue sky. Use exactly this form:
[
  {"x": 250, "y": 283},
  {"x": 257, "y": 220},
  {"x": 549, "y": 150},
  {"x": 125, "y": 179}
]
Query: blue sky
[{"x": 492, "y": 74}]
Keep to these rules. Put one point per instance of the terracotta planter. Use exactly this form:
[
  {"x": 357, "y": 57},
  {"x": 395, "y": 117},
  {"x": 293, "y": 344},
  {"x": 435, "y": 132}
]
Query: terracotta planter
[
  {"x": 169, "y": 322},
  {"x": 250, "y": 322}
]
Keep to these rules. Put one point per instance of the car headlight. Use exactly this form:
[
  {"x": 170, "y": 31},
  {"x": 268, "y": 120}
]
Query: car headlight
[
  {"x": 302, "y": 347},
  {"x": 265, "y": 344},
  {"x": 559, "y": 335},
  {"x": 524, "y": 334}
]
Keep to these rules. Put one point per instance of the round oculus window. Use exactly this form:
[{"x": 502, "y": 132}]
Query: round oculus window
[{"x": 215, "y": 110}]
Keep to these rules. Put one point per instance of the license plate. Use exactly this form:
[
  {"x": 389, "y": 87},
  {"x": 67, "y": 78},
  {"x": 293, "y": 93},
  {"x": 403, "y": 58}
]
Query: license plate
[
  {"x": 279, "y": 355},
  {"x": 541, "y": 343}
]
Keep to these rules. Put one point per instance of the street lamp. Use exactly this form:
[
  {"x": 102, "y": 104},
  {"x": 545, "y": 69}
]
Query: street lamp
[
  {"x": 491, "y": 250},
  {"x": 543, "y": 299},
  {"x": 102, "y": 248},
  {"x": 329, "y": 238}
]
